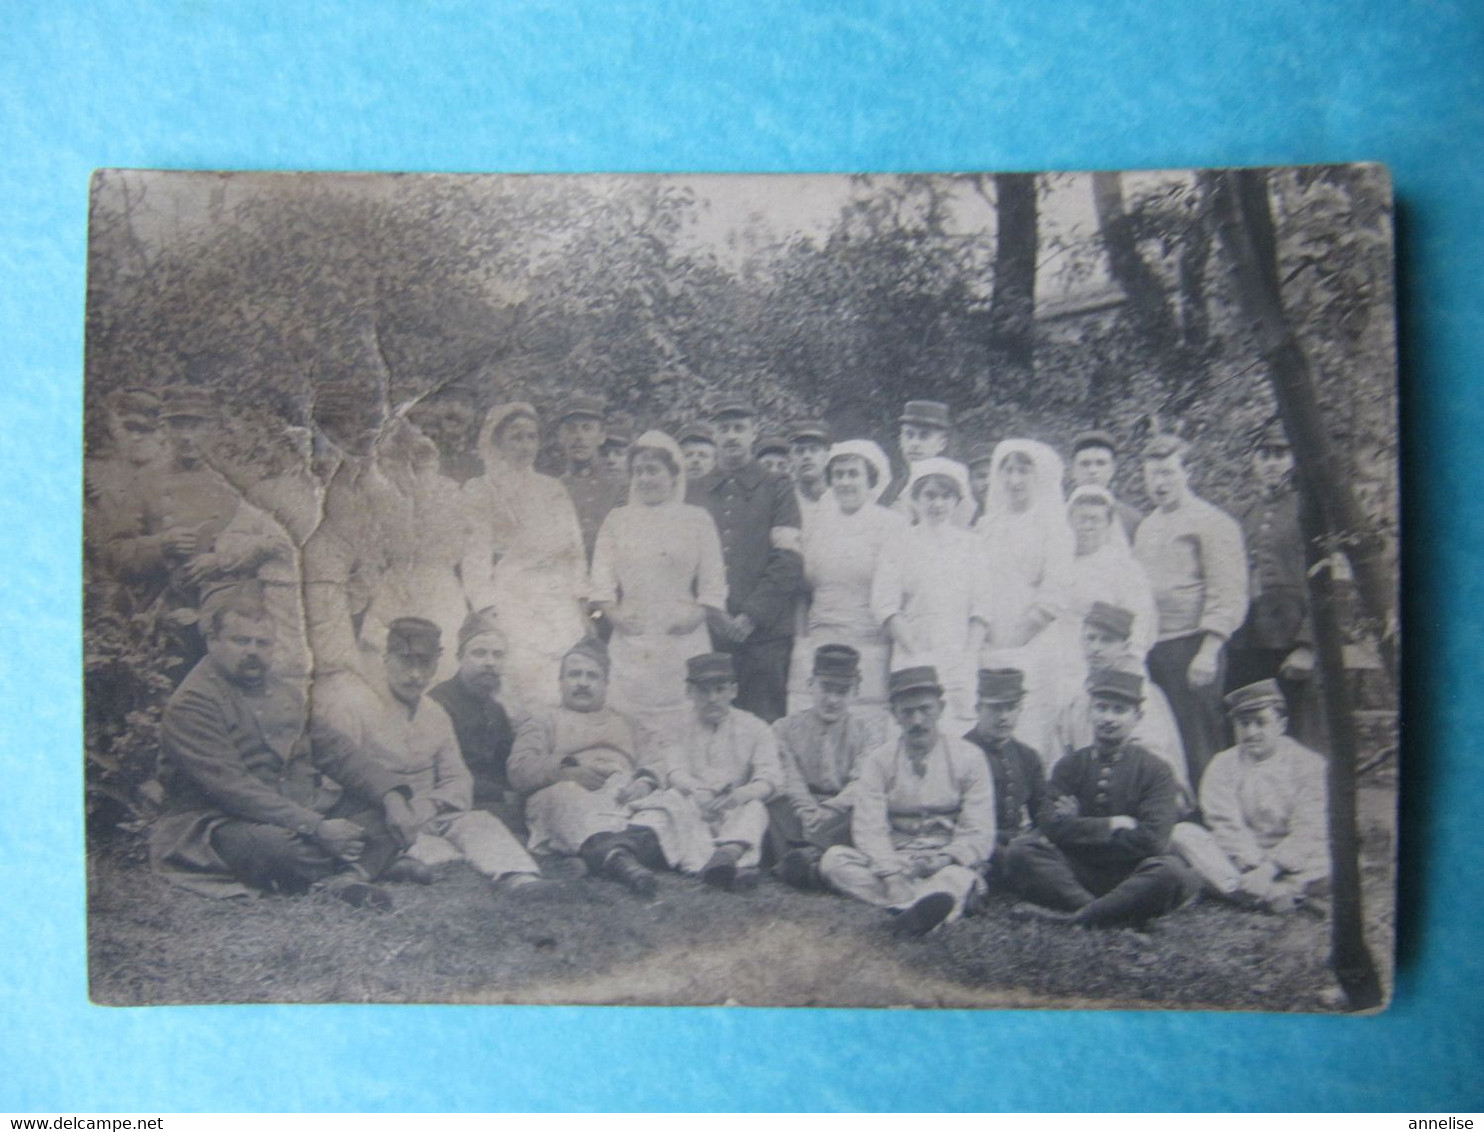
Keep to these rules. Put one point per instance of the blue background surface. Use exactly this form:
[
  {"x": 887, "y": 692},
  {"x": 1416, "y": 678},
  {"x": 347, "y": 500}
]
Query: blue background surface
[{"x": 731, "y": 85}]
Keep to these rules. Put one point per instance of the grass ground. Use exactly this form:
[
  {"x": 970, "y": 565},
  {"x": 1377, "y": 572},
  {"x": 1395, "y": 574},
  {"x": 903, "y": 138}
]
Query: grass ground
[{"x": 580, "y": 940}]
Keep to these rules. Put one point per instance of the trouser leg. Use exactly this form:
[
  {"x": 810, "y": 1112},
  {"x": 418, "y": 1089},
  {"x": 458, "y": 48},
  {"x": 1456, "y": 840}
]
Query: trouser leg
[
  {"x": 744, "y": 825},
  {"x": 487, "y": 845},
  {"x": 271, "y": 857},
  {"x": 1157, "y": 885},
  {"x": 564, "y": 815},
  {"x": 1041, "y": 872},
  {"x": 762, "y": 676},
  {"x": 1195, "y": 845},
  {"x": 639, "y": 840},
  {"x": 1198, "y": 712},
  {"x": 381, "y": 848},
  {"x": 850, "y": 871}
]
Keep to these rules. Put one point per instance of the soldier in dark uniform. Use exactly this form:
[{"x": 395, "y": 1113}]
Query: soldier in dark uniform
[
  {"x": 594, "y": 487},
  {"x": 1019, "y": 781},
  {"x": 924, "y": 433}
]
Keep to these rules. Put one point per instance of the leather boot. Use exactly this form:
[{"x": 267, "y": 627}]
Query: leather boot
[{"x": 625, "y": 868}]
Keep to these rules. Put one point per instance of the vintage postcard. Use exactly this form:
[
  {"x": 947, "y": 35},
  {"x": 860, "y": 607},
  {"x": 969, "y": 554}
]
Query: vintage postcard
[{"x": 958, "y": 591}]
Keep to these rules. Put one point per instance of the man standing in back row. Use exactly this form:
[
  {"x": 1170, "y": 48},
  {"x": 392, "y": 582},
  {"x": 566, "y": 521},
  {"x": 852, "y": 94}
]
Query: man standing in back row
[{"x": 757, "y": 516}]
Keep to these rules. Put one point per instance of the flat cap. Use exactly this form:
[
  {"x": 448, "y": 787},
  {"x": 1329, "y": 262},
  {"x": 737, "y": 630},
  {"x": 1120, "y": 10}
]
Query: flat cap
[
  {"x": 922, "y": 678},
  {"x": 732, "y": 405},
  {"x": 415, "y": 637},
  {"x": 478, "y": 623},
  {"x": 1164, "y": 446},
  {"x": 1112, "y": 618},
  {"x": 770, "y": 443},
  {"x": 931, "y": 413},
  {"x": 1001, "y": 685},
  {"x": 837, "y": 662},
  {"x": 581, "y": 405},
  {"x": 1094, "y": 438},
  {"x": 1264, "y": 693},
  {"x": 696, "y": 430},
  {"x": 1114, "y": 684},
  {"x": 710, "y": 667},
  {"x": 809, "y": 430},
  {"x": 188, "y": 403}
]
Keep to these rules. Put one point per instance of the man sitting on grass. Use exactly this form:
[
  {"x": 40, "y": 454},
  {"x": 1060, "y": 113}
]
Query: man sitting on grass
[
  {"x": 591, "y": 797},
  {"x": 255, "y": 802},
  {"x": 923, "y": 818},
  {"x": 412, "y": 737},
  {"x": 1100, "y": 858},
  {"x": 1266, "y": 803},
  {"x": 1019, "y": 780}
]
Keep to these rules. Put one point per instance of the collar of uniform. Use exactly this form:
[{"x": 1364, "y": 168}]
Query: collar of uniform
[{"x": 749, "y": 475}]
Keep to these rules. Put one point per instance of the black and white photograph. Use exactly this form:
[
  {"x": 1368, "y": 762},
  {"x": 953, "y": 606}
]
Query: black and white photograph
[{"x": 941, "y": 590}]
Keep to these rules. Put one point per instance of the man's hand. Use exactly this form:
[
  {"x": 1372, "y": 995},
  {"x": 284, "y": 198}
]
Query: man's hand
[
  {"x": 1066, "y": 806},
  {"x": 180, "y": 542},
  {"x": 1201, "y": 672},
  {"x": 1121, "y": 821},
  {"x": 687, "y": 622},
  {"x": 743, "y": 626},
  {"x": 203, "y": 566},
  {"x": 341, "y": 839},
  {"x": 717, "y": 805},
  {"x": 926, "y": 864},
  {"x": 1299, "y": 664},
  {"x": 400, "y": 818},
  {"x": 639, "y": 789},
  {"x": 588, "y": 777}
]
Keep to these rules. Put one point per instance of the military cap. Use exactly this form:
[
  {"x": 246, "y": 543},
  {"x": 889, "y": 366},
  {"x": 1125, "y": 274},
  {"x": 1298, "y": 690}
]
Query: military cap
[
  {"x": 1115, "y": 684},
  {"x": 1001, "y": 685},
  {"x": 979, "y": 453},
  {"x": 619, "y": 428},
  {"x": 1271, "y": 435},
  {"x": 478, "y": 623},
  {"x": 1264, "y": 693},
  {"x": 696, "y": 430},
  {"x": 222, "y": 596},
  {"x": 837, "y": 662},
  {"x": 188, "y": 403},
  {"x": 1094, "y": 438},
  {"x": 709, "y": 668},
  {"x": 1164, "y": 446},
  {"x": 771, "y": 443},
  {"x": 581, "y": 405},
  {"x": 592, "y": 648},
  {"x": 809, "y": 430},
  {"x": 732, "y": 405},
  {"x": 931, "y": 413},
  {"x": 415, "y": 637},
  {"x": 922, "y": 678},
  {"x": 1114, "y": 618}
]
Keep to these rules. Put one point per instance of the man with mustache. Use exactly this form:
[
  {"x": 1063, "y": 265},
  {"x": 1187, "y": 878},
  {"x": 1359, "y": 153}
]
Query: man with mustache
[
  {"x": 260, "y": 796},
  {"x": 923, "y": 816},
  {"x": 1100, "y": 857}
]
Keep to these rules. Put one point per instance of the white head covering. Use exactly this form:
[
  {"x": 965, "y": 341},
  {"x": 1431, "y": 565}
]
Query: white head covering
[
  {"x": 654, "y": 438},
  {"x": 489, "y": 451},
  {"x": 1117, "y": 536},
  {"x": 940, "y": 466},
  {"x": 1045, "y": 495},
  {"x": 871, "y": 453}
]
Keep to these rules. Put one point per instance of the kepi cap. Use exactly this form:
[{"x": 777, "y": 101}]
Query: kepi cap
[
  {"x": 1264, "y": 693},
  {"x": 709, "y": 668},
  {"x": 696, "y": 430},
  {"x": 1113, "y": 618},
  {"x": 414, "y": 637},
  {"x": 934, "y": 414},
  {"x": 772, "y": 443},
  {"x": 1001, "y": 685},
  {"x": 808, "y": 430},
  {"x": 732, "y": 405},
  {"x": 837, "y": 662},
  {"x": 581, "y": 405},
  {"x": 1114, "y": 684},
  {"x": 1094, "y": 438},
  {"x": 922, "y": 678}
]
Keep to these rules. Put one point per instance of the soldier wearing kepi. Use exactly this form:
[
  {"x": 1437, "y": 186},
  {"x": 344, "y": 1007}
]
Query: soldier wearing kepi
[
  {"x": 772, "y": 453},
  {"x": 924, "y": 433},
  {"x": 1094, "y": 462},
  {"x": 255, "y": 800},
  {"x": 614, "y": 451},
  {"x": 820, "y": 748},
  {"x": 809, "y": 452},
  {"x": 1019, "y": 780},
  {"x": 594, "y": 488},
  {"x": 1265, "y": 802},
  {"x": 1100, "y": 857},
  {"x": 697, "y": 442},
  {"x": 725, "y": 760},
  {"x": 923, "y": 816},
  {"x": 757, "y": 516}
]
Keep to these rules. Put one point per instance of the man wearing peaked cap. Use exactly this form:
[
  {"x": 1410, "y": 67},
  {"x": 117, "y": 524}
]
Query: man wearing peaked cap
[
  {"x": 923, "y": 817},
  {"x": 820, "y": 749},
  {"x": 1094, "y": 462},
  {"x": 1265, "y": 842},
  {"x": 697, "y": 442},
  {"x": 1101, "y": 856},
  {"x": 809, "y": 452},
  {"x": 979, "y": 460},
  {"x": 619, "y": 432},
  {"x": 757, "y": 517},
  {"x": 1019, "y": 779},
  {"x": 415, "y": 741},
  {"x": 593, "y": 486},
  {"x": 772, "y": 453},
  {"x": 725, "y": 760},
  {"x": 923, "y": 434}
]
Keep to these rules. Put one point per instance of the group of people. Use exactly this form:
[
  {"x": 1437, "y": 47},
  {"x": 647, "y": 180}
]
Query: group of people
[{"x": 714, "y": 652}]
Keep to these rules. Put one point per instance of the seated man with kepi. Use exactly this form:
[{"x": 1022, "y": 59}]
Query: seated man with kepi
[
  {"x": 725, "y": 760},
  {"x": 480, "y": 722},
  {"x": 820, "y": 749},
  {"x": 412, "y": 737},
  {"x": 1265, "y": 802},
  {"x": 1101, "y": 853},
  {"x": 923, "y": 818},
  {"x": 591, "y": 795},
  {"x": 1019, "y": 780},
  {"x": 254, "y": 800}
]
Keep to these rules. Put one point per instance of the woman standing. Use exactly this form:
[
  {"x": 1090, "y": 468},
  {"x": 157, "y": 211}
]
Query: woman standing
[
  {"x": 524, "y": 553},
  {"x": 657, "y": 568},
  {"x": 931, "y": 592},
  {"x": 842, "y": 547}
]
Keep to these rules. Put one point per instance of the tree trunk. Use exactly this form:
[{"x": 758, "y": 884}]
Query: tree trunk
[
  {"x": 1013, "y": 307},
  {"x": 1245, "y": 225}
]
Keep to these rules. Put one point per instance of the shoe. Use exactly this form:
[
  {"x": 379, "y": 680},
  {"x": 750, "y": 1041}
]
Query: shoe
[
  {"x": 358, "y": 893},
  {"x": 745, "y": 880},
  {"x": 721, "y": 870},
  {"x": 799, "y": 869},
  {"x": 406, "y": 870},
  {"x": 924, "y": 916},
  {"x": 625, "y": 868}
]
